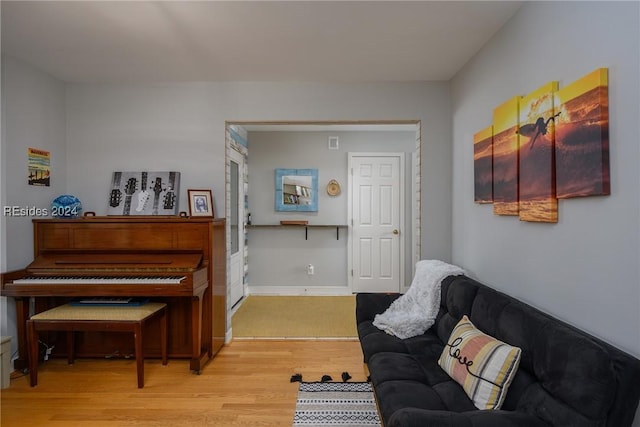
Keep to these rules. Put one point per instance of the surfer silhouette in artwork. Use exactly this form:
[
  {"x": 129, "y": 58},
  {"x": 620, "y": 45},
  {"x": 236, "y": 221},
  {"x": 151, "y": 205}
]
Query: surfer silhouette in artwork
[{"x": 536, "y": 129}]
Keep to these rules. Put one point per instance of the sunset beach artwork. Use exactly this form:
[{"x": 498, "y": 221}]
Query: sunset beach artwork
[
  {"x": 537, "y": 193},
  {"x": 505, "y": 158},
  {"x": 582, "y": 137},
  {"x": 550, "y": 144},
  {"x": 483, "y": 165}
]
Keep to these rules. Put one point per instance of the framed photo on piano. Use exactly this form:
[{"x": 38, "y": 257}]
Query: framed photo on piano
[{"x": 200, "y": 203}]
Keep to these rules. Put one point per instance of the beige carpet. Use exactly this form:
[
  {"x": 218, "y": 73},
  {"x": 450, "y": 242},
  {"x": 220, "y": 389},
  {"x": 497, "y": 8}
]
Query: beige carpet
[{"x": 296, "y": 317}]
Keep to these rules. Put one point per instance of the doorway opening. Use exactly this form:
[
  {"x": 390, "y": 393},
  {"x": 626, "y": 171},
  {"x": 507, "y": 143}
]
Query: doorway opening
[{"x": 274, "y": 262}]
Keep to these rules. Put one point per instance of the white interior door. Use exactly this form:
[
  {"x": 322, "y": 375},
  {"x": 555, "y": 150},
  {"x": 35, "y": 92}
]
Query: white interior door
[
  {"x": 376, "y": 206},
  {"x": 236, "y": 222}
]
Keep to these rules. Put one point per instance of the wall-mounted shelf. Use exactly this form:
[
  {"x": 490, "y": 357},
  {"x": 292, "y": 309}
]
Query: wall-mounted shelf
[{"x": 305, "y": 226}]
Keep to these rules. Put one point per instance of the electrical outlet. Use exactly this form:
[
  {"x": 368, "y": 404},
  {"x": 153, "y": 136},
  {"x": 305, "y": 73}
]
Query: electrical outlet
[{"x": 310, "y": 269}]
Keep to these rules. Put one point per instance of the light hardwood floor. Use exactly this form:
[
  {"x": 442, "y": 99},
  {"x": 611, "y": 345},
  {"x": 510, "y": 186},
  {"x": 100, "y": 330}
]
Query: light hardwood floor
[{"x": 246, "y": 384}]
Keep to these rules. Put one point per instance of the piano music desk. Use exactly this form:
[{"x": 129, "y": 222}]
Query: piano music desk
[{"x": 71, "y": 318}]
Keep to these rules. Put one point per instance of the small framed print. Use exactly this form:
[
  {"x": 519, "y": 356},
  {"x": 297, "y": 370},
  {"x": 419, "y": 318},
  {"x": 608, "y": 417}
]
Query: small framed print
[{"x": 200, "y": 203}]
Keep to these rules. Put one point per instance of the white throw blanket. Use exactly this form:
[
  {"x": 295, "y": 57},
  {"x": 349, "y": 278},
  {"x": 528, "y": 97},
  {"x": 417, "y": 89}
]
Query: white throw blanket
[{"x": 415, "y": 312}]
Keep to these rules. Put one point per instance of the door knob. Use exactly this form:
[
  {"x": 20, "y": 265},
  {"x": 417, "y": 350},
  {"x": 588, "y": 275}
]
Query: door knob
[{"x": 395, "y": 231}]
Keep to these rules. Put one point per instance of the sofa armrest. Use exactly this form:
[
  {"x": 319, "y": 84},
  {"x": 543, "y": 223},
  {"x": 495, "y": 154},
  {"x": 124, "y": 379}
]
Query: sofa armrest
[
  {"x": 370, "y": 304},
  {"x": 416, "y": 417}
]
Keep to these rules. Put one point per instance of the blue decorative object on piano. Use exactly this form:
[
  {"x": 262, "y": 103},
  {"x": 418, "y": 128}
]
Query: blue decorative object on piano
[{"x": 66, "y": 206}]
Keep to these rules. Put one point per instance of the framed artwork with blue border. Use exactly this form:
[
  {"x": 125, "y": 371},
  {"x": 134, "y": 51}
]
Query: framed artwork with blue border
[{"x": 296, "y": 190}]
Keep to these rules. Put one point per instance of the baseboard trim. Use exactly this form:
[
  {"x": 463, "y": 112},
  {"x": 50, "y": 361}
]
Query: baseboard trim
[{"x": 300, "y": 290}]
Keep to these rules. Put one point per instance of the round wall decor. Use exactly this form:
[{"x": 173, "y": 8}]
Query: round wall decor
[{"x": 333, "y": 188}]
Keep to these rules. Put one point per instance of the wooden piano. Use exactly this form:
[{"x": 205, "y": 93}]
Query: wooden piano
[{"x": 180, "y": 261}]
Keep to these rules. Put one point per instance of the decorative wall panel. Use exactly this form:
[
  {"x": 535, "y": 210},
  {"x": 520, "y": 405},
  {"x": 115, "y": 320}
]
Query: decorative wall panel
[
  {"x": 582, "y": 137},
  {"x": 144, "y": 193},
  {"x": 537, "y": 200},
  {"x": 505, "y": 158}
]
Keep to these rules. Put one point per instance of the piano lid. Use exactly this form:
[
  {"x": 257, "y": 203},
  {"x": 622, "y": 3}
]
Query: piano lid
[{"x": 64, "y": 263}]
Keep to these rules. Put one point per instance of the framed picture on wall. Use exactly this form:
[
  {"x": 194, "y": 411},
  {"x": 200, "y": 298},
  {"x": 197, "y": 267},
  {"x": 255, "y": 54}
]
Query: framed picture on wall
[
  {"x": 200, "y": 203},
  {"x": 144, "y": 193}
]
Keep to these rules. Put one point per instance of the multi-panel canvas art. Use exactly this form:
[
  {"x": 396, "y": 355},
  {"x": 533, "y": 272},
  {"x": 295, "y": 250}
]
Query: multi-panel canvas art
[
  {"x": 537, "y": 195},
  {"x": 582, "y": 137},
  {"x": 505, "y": 158},
  {"x": 483, "y": 165},
  {"x": 144, "y": 193},
  {"x": 550, "y": 144}
]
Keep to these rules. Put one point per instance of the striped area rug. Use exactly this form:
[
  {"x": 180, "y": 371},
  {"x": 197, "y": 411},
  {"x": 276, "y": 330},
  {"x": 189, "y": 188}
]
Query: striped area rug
[{"x": 336, "y": 404}]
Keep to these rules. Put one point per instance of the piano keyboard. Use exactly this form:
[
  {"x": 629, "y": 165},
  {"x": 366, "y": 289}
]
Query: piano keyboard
[{"x": 99, "y": 280}]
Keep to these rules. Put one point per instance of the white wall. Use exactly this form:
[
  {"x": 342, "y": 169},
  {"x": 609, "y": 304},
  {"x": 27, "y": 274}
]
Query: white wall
[
  {"x": 278, "y": 257},
  {"x": 585, "y": 268},
  {"x": 163, "y": 127},
  {"x": 33, "y": 115},
  {"x": 180, "y": 126}
]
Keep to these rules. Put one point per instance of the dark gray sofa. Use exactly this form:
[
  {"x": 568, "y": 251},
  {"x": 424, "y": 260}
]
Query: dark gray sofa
[{"x": 566, "y": 377}]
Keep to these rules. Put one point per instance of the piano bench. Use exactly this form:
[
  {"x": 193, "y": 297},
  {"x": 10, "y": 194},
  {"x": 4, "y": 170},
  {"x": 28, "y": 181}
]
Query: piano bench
[{"x": 71, "y": 318}]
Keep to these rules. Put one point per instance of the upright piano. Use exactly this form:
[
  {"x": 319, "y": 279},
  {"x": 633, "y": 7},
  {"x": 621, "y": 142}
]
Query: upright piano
[{"x": 176, "y": 260}]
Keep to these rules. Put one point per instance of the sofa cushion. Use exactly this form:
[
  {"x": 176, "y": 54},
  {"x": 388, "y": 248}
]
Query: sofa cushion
[
  {"x": 395, "y": 366},
  {"x": 394, "y": 395},
  {"x": 415, "y": 417},
  {"x": 483, "y": 365},
  {"x": 373, "y": 340},
  {"x": 575, "y": 370},
  {"x": 458, "y": 294},
  {"x": 369, "y": 304},
  {"x": 426, "y": 346}
]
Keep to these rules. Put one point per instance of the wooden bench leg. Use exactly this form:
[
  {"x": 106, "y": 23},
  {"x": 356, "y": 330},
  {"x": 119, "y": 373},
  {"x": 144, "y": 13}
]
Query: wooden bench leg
[
  {"x": 32, "y": 346},
  {"x": 163, "y": 336},
  {"x": 71, "y": 355},
  {"x": 137, "y": 336}
]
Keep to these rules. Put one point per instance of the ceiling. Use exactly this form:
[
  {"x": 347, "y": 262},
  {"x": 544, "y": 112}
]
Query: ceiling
[{"x": 303, "y": 41}]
